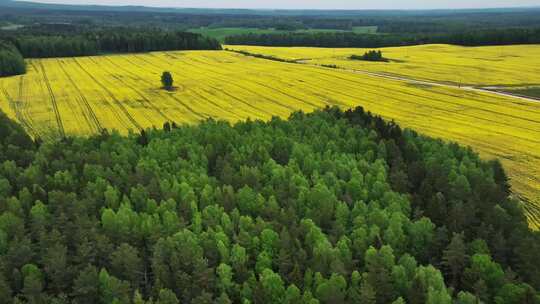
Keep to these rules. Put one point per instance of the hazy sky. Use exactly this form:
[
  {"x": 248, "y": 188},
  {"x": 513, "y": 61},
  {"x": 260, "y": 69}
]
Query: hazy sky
[{"x": 311, "y": 4}]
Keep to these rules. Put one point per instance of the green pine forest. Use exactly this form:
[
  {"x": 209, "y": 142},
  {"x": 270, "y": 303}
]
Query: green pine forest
[
  {"x": 329, "y": 207},
  {"x": 38, "y": 43},
  {"x": 11, "y": 61}
]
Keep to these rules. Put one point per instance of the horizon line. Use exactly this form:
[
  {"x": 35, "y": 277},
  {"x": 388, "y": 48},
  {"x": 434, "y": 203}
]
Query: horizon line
[{"x": 279, "y": 9}]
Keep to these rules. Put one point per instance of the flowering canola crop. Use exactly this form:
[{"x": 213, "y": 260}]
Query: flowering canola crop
[
  {"x": 82, "y": 96},
  {"x": 513, "y": 65}
]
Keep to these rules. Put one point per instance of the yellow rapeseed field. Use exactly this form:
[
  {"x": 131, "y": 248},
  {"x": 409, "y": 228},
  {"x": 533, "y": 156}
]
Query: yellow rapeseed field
[
  {"x": 514, "y": 65},
  {"x": 81, "y": 96}
]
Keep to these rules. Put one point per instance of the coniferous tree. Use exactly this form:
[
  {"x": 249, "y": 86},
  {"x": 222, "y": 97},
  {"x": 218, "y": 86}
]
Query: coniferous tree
[
  {"x": 455, "y": 259},
  {"x": 11, "y": 61}
]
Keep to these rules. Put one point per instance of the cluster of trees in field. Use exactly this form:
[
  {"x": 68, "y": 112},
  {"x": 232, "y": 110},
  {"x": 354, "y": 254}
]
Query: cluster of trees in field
[
  {"x": 11, "y": 61},
  {"x": 350, "y": 39},
  {"x": 372, "y": 55},
  {"x": 330, "y": 207},
  {"x": 112, "y": 40}
]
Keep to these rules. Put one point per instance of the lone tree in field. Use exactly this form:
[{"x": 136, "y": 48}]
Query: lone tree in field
[{"x": 167, "y": 80}]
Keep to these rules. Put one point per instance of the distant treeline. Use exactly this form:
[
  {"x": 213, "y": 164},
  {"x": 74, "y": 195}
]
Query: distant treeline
[
  {"x": 110, "y": 41},
  {"x": 350, "y": 39},
  {"x": 11, "y": 61},
  {"x": 28, "y": 45},
  {"x": 387, "y": 21},
  {"x": 318, "y": 39}
]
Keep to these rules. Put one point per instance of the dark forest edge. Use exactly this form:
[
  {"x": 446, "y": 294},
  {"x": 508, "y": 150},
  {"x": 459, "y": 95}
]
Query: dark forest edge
[
  {"x": 327, "y": 207},
  {"x": 350, "y": 39},
  {"x": 28, "y": 44},
  {"x": 11, "y": 61}
]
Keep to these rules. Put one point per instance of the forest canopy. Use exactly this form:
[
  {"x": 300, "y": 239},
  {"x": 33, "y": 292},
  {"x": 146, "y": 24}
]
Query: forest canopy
[
  {"x": 351, "y": 39},
  {"x": 55, "y": 43},
  {"x": 328, "y": 207},
  {"x": 40, "y": 43},
  {"x": 11, "y": 61}
]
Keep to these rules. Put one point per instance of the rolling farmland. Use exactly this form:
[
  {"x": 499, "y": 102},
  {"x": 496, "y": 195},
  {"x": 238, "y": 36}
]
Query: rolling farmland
[
  {"x": 82, "y": 96},
  {"x": 514, "y": 65}
]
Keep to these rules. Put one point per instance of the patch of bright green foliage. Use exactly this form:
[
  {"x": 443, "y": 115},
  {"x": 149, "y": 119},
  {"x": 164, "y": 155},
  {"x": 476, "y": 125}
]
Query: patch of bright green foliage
[
  {"x": 221, "y": 32},
  {"x": 323, "y": 208},
  {"x": 533, "y": 92}
]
